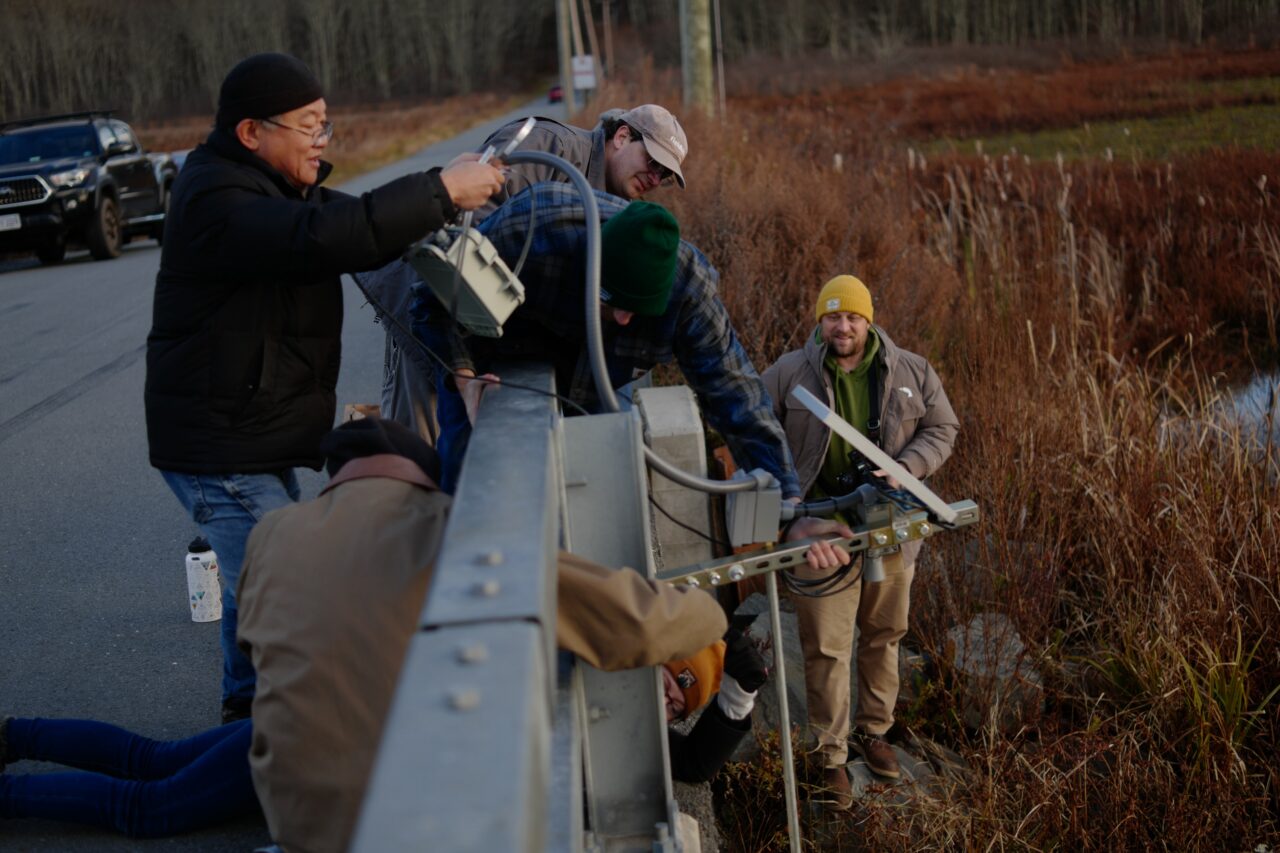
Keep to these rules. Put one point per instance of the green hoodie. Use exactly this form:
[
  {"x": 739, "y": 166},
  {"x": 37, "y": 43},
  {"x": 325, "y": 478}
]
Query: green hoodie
[{"x": 853, "y": 403}]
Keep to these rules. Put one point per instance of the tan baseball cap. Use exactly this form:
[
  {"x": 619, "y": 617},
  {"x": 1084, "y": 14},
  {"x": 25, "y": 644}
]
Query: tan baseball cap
[{"x": 664, "y": 138}]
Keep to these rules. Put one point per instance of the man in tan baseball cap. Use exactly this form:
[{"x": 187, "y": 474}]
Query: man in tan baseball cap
[
  {"x": 663, "y": 140},
  {"x": 629, "y": 153}
]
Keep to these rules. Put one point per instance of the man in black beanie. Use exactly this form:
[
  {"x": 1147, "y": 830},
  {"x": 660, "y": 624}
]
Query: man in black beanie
[{"x": 244, "y": 349}]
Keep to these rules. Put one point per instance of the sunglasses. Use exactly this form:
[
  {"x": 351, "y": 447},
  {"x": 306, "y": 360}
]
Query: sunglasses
[{"x": 665, "y": 176}]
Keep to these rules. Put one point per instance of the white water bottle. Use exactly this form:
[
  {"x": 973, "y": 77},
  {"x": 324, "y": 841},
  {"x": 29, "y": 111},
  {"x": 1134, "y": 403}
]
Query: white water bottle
[{"x": 203, "y": 592}]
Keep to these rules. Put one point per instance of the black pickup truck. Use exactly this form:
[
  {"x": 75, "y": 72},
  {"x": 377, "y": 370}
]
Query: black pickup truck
[{"x": 78, "y": 178}]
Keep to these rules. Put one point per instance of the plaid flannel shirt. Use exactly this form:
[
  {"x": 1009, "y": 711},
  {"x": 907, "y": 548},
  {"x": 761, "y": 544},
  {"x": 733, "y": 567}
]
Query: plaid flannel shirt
[{"x": 695, "y": 331}]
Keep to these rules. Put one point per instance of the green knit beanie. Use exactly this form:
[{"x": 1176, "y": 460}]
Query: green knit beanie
[{"x": 638, "y": 259}]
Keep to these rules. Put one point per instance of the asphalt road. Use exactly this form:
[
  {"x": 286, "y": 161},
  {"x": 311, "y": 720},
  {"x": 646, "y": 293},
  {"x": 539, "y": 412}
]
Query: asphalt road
[{"x": 93, "y": 604}]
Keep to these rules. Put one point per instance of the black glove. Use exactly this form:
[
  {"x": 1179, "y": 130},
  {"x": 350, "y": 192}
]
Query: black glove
[{"x": 743, "y": 661}]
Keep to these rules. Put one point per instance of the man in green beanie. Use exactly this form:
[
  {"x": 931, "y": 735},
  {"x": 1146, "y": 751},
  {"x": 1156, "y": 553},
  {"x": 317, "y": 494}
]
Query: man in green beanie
[{"x": 658, "y": 298}]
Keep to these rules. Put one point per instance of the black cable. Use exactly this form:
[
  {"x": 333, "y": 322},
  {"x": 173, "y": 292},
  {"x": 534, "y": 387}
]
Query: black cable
[
  {"x": 678, "y": 523},
  {"x": 833, "y": 584}
]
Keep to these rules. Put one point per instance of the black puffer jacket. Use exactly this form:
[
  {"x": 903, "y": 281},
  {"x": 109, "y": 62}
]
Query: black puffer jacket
[{"x": 245, "y": 342}]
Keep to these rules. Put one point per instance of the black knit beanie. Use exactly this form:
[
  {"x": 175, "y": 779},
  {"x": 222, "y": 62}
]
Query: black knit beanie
[
  {"x": 371, "y": 436},
  {"x": 265, "y": 85}
]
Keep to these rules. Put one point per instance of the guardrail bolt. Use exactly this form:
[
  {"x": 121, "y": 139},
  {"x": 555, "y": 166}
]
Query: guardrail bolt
[
  {"x": 474, "y": 653},
  {"x": 880, "y": 538},
  {"x": 464, "y": 699},
  {"x": 737, "y": 572},
  {"x": 925, "y": 529},
  {"x": 713, "y": 578}
]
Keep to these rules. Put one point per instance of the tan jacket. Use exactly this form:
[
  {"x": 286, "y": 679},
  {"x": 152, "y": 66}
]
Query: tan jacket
[
  {"x": 330, "y": 595},
  {"x": 917, "y": 424}
]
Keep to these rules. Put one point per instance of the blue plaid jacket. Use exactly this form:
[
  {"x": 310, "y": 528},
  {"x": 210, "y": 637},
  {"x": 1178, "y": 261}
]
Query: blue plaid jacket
[{"x": 695, "y": 331}]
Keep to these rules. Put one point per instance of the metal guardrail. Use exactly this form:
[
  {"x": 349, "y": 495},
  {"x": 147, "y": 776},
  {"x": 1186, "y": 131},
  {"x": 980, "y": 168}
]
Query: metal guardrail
[
  {"x": 495, "y": 740},
  {"x": 466, "y": 758}
]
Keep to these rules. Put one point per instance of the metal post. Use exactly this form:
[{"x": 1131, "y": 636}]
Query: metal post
[
  {"x": 566, "y": 61},
  {"x": 715, "y": 6},
  {"x": 695, "y": 42},
  {"x": 784, "y": 714}
]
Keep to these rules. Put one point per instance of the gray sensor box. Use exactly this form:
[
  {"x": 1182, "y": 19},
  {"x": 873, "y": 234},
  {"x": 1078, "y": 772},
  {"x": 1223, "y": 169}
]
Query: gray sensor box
[{"x": 483, "y": 296}]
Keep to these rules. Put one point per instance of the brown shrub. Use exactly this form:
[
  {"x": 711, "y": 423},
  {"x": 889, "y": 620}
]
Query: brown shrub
[{"x": 1080, "y": 317}]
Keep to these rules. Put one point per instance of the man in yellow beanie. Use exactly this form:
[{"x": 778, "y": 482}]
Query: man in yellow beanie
[{"x": 895, "y": 398}]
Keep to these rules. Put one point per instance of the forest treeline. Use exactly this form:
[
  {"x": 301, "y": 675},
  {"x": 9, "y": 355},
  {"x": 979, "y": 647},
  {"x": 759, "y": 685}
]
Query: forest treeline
[{"x": 158, "y": 58}]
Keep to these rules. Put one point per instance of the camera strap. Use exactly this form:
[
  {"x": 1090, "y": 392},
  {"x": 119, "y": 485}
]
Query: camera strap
[{"x": 873, "y": 412}]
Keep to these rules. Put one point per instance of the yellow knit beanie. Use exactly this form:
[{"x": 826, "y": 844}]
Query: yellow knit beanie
[
  {"x": 844, "y": 293},
  {"x": 699, "y": 676}
]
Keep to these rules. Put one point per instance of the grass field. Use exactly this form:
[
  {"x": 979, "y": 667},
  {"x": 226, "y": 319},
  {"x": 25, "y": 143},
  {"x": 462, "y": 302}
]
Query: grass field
[{"x": 1141, "y": 139}]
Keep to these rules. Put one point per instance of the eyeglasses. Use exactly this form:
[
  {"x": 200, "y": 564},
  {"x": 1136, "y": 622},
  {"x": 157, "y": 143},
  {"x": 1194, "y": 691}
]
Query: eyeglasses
[
  {"x": 319, "y": 136},
  {"x": 665, "y": 176}
]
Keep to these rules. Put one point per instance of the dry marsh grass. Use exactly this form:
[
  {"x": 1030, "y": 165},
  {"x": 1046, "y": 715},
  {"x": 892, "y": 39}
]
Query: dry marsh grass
[{"x": 1082, "y": 316}]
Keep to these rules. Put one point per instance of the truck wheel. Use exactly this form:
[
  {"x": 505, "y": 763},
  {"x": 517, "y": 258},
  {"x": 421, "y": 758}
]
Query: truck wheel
[
  {"x": 52, "y": 253},
  {"x": 104, "y": 236}
]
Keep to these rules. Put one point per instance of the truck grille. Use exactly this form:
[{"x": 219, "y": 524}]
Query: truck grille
[{"x": 27, "y": 189}]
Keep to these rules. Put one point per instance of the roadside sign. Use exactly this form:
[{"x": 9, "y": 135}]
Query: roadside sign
[{"x": 584, "y": 72}]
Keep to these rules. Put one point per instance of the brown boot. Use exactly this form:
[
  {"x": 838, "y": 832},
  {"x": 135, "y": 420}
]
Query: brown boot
[
  {"x": 878, "y": 754},
  {"x": 837, "y": 793}
]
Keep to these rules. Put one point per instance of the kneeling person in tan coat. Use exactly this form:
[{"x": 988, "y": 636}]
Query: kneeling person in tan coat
[{"x": 331, "y": 591}]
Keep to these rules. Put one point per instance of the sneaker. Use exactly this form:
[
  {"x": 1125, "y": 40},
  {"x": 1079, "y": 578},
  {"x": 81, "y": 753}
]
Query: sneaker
[
  {"x": 837, "y": 792},
  {"x": 236, "y": 708},
  {"x": 877, "y": 753}
]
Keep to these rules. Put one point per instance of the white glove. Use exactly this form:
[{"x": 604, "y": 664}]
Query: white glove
[{"x": 734, "y": 701}]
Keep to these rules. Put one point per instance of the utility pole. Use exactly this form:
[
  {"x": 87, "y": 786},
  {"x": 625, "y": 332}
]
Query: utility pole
[
  {"x": 608, "y": 38},
  {"x": 589, "y": 22},
  {"x": 695, "y": 50},
  {"x": 720, "y": 111},
  {"x": 566, "y": 61}
]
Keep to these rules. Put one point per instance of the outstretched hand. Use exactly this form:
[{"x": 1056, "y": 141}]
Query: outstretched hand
[
  {"x": 470, "y": 183},
  {"x": 472, "y": 388},
  {"x": 821, "y": 555},
  {"x": 743, "y": 662}
]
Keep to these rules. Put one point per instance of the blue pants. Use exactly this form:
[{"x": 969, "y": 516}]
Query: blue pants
[
  {"x": 135, "y": 785},
  {"x": 455, "y": 432},
  {"x": 227, "y": 506}
]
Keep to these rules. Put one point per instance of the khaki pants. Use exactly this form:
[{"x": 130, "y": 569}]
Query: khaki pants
[{"x": 826, "y": 637}]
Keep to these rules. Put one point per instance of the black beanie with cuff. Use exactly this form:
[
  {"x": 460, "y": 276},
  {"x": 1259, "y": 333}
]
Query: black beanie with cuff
[{"x": 265, "y": 85}]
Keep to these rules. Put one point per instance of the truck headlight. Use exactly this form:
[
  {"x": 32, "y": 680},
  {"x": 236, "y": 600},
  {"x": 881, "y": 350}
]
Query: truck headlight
[{"x": 70, "y": 178}]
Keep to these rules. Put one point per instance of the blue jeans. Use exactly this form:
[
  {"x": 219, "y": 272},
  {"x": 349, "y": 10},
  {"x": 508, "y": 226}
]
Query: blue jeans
[
  {"x": 135, "y": 785},
  {"x": 455, "y": 432},
  {"x": 227, "y": 506}
]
